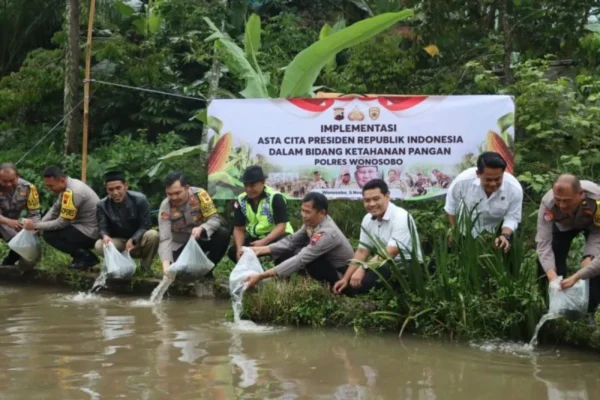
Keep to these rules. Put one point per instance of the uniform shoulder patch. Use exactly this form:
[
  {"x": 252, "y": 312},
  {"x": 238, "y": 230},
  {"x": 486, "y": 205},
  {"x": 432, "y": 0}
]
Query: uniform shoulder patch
[
  {"x": 207, "y": 207},
  {"x": 33, "y": 200},
  {"x": 67, "y": 208},
  {"x": 315, "y": 238},
  {"x": 548, "y": 215},
  {"x": 164, "y": 215}
]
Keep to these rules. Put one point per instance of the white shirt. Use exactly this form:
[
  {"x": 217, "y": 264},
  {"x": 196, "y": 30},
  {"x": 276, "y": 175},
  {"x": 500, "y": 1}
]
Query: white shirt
[
  {"x": 504, "y": 204},
  {"x": 392, "y": 230}
]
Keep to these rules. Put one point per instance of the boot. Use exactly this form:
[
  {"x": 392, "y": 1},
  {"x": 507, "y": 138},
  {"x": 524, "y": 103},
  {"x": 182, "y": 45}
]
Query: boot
[
  {"x": 11, "y": 259},
  {"x": 84, "y": 260}
]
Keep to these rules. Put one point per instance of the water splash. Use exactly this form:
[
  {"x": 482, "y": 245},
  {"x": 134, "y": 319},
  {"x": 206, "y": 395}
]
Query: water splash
[
  {"x": 141, "y": 303},
  {"x": 549, "y": 316},
  {"x": 161, "y": 289},
  {"x": 244, "y": 325},
  {"x": 100, "y": 281},
  {"x": 518, "y": 349},
  {"x": 85, "y": 297},
  {"x": 236, "y": 302}
]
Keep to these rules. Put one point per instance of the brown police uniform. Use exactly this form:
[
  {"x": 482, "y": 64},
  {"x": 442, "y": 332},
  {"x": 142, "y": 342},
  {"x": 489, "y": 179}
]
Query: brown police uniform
[
  {"x": 71, "y": 226},
  {"x": 320, "y": 184},
  {"x": 24, "y": 197},
  {"x": 175, "y": 226},
  {"x": 323, "y": 251},
  {"x": 556, "y": 231}
]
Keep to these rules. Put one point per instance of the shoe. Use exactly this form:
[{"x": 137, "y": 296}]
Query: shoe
[
  {"x": 11, "y": 259},
  {"x": 84, "y": 260}
]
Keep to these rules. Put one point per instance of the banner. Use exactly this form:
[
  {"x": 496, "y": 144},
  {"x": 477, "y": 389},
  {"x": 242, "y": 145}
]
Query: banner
[{"x": 417, "y": 144}]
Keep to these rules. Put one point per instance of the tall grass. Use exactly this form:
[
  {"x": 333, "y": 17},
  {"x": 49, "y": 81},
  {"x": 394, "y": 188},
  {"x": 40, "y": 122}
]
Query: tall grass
[{"x": 475, "y": 290}]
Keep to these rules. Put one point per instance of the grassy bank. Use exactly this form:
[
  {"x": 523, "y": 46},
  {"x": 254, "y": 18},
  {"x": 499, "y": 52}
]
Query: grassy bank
[
  {"x": 476, "y": 291},
  {"x": 302, "y": 302}
]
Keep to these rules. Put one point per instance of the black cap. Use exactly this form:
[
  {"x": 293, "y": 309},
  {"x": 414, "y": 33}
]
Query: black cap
[
  {"x": 114, "y": 176},
  {"x": 253, "y": 173}
]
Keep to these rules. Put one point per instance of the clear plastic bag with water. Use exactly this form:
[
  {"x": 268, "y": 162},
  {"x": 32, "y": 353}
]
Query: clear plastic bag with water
[
  {"x": 571, "y": 302},
  {"x": 192, "y": 263},
  {"x": 118, "y": 265},
  {"x": 26, "y": 244},
  {"x": 248, "y": 264}
]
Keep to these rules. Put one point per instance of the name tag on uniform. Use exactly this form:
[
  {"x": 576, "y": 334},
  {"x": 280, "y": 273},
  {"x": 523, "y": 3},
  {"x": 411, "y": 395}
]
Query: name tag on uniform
[{"x": 315, "y": 238}]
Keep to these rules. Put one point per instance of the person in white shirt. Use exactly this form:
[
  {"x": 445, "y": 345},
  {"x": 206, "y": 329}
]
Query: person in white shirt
[
  {"x": 390, "y": 224},
  {"x": 493, "y": 196}
]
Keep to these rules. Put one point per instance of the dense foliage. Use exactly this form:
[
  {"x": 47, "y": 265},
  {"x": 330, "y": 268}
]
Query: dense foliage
[{"x": 545, "y": 53}]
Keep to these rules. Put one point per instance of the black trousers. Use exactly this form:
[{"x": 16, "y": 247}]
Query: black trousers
[
  {"x": 323, "y": 271},
  {"x": 70, "y": 240},
  {"x": 561, "y": 244},
  {"x": 247, "y": 240},
  {"x": 215, "y": 247}
]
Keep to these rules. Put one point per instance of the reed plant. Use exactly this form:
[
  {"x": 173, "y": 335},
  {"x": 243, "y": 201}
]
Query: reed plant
[{"x": 474, "y": 290}]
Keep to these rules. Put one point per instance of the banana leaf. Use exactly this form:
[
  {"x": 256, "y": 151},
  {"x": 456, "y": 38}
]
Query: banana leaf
[
  {"x": 186, "y": 151},
  {"x": 252, "y": 39},
  {"x": 327, "y": 30},
  {"x": 235, "y": 59},
  {"x": 222, "y": 176},
  {"x": 301, "y": 74}
]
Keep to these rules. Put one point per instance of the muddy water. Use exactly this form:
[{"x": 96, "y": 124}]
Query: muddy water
[{"x": 61, "y": 345}]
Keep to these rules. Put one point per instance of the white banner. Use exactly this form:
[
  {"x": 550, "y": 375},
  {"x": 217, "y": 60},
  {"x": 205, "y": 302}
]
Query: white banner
[{"x": 417, "y": 144}]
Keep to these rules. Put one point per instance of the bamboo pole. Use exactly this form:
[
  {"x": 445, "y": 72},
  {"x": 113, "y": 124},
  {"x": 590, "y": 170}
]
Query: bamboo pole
[{"x": 86, "y": 90}]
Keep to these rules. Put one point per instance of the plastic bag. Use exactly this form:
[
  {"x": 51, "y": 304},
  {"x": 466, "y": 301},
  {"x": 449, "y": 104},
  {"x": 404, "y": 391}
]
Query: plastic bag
[
  {"x": 247, "y": 265},
  {"x": 26, "y": 244},
  {"x": 571, "y": 302},
  {"x": 192, "y": 263},
  {"x": 118, "y": 265}
]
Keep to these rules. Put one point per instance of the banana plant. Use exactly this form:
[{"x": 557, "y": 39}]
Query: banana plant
[{"x": 301, "y": 74}]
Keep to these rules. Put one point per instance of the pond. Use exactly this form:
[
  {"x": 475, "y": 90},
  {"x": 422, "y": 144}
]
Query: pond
[{"x": 63, "y": 345}]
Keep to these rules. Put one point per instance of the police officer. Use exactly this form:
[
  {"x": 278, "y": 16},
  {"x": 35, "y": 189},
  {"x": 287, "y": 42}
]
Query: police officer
[
  {"x": 189, "y": 211},
  {"x": 571, "y": 207},
  {"x": 16, "y": 195},
  {"x": 260, "y": 216},
  {"x": 318, "y": 182},
  {"x": 124, "y": 219},
  {"x": 70, "y": 226},
  {"x": 318, "y": 247}
]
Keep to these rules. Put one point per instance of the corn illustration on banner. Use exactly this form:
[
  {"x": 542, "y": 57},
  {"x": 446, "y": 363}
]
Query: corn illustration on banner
[{"x": 417, "y": 144}]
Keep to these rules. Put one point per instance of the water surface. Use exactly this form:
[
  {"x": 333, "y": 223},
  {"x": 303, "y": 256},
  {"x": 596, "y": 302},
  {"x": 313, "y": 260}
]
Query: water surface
[{"x": 64, "y": 345}]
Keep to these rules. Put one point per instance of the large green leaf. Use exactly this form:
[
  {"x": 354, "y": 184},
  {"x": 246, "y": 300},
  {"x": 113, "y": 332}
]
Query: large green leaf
[
  {"x": 125, "y": 10},
  {"x": 233, "y": 56},
  {"x": 327, "y": 30},
  {"x": 186, "y": 151},
  {"x": 154, "y": 22},
  {"x": 215, "y": 123},
  {"x": 252, "y": 39},
  {"x": 303, "y": 71}
]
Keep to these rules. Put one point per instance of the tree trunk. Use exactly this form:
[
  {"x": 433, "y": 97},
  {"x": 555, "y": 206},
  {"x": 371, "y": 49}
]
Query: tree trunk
[
  {"x": 71, "y": 92},
  {"x": 584, "y": 20},
  {"x": 507, "y": 44},
  {"x": 213, "y": 87}
]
